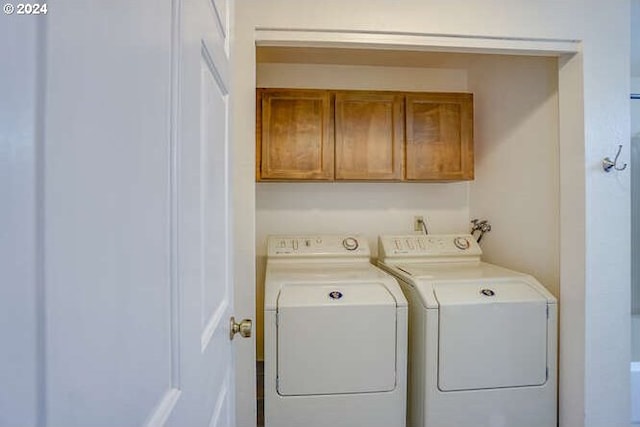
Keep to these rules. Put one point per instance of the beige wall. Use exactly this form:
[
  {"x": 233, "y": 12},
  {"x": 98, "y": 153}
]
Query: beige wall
[
  {"x": 593, "y": 88},
  {"x": 515, "y": 120},
  {"x": 517, "y": 183}
]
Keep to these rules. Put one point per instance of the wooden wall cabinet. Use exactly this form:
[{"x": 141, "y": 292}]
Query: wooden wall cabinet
[
  {"x": 439, "y": 138},
  {"x": 363, "y": 136},
  {"x": 295, "y": 135},
  {"x": 369, "y": 136}
]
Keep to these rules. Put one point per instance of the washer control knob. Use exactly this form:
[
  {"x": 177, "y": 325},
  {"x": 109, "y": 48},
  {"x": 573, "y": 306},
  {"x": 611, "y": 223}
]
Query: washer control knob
[
  {"x": 350, "y": 243},
  {"x": 461, "y": 243}
]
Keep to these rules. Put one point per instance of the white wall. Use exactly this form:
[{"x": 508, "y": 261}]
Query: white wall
[
  {"x": 20, "y": 154},
  {"x": 635, "y": 198},
  {"x": 516, "y": 159},
  {"x": 635, "y": 38},
  {"x": 594, "y": 117},
  {"x": 607, "y": 225}
]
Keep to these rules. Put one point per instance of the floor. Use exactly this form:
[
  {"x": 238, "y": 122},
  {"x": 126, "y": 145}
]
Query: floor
[{"x": 260, "y": 391}]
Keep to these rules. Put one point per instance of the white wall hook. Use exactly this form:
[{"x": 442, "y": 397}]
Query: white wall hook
[{"x": 608, "y": 164}]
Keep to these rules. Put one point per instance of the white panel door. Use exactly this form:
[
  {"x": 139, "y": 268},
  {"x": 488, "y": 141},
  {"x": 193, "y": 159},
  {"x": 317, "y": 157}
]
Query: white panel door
[
  {"x": 118, "y": 314},
  {"x": 204, "y": 254}
]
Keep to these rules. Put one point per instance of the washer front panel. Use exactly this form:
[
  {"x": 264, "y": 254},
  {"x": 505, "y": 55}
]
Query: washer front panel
[
  {"x": 491, "y": 335},
  {"x": 336, "y": 339}
]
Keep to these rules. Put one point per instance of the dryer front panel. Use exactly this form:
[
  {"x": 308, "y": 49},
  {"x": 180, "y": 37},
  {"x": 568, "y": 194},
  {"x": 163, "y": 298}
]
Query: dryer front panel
[
  {"x": 491, "y": 335},
  {"x": 334, "y": 339}
]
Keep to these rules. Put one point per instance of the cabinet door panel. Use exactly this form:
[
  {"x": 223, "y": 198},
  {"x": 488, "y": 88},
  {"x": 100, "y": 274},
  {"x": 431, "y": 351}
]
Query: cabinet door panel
[
  {"x": 439, "y": 140},
  {"x": 369, "y": 136},
  {"x": 296, "y": 135}
]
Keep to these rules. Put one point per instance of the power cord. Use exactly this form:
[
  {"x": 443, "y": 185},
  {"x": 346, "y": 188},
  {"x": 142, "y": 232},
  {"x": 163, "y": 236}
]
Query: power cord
[{"x": 424, "y": 226}]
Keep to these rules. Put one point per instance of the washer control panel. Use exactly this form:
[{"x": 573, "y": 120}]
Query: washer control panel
[
  {"x": 427, "y": 246},
  {"x": 318, "y": 246}
]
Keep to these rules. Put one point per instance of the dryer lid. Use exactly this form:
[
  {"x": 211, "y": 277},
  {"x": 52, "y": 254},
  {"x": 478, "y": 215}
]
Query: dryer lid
[
  {"x": 336, "y": 339},
  {"x": 338, "y": 294}
]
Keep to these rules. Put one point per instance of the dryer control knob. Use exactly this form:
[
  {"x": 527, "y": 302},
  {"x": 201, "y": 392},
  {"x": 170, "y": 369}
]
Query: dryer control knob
[
  {"x": 350, "y": 243},
  {"x": 461, "y": 243}
]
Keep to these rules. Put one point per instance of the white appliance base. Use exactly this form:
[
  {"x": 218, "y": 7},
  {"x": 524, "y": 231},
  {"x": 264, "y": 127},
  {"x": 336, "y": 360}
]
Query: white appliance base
[{"x": 377, "y": 409}]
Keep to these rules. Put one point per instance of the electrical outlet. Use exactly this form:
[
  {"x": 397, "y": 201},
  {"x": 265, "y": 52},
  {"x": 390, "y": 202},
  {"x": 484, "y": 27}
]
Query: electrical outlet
[{"x": 417, "y": 223}]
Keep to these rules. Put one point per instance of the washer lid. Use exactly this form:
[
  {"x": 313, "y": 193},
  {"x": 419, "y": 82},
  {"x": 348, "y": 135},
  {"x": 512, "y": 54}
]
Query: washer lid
[
  {"x": 486, "y": 292},
  {"x": 335, "y": 339},
  {"x": 491, "y": 335}
]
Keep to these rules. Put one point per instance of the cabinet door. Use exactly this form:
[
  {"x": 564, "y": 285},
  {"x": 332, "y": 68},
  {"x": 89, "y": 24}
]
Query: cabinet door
[
  {"x": 295, "y": 136},
  {"x": 439, "y": 140},
  {"x": 369, "y": 136}
]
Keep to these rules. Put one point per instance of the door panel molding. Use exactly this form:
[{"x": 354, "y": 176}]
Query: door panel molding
[
  {"x": 161, "y": 413},
  {"x": 221, "y": 413},
  {"x": 220, "y": 12},
  {"x": 214, "y": 203},
  {"x": 212, "y": 325},
  {"x": 218, "y": 74},
  {"x": 174, "y": 196}
]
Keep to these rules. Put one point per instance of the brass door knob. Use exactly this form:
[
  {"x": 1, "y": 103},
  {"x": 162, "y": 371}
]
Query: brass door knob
[{"x": 244, "y": 328}]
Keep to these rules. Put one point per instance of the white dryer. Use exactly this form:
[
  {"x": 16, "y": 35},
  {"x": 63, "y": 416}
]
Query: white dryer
[
  {"x": 482, "y": 339},
  {"x": 335, "y": 336}
]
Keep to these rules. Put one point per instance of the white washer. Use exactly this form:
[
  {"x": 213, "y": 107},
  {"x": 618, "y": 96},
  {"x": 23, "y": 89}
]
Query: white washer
[
  {"x": 335, "y": 336},
  {"x": 482, "y": 343}
]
